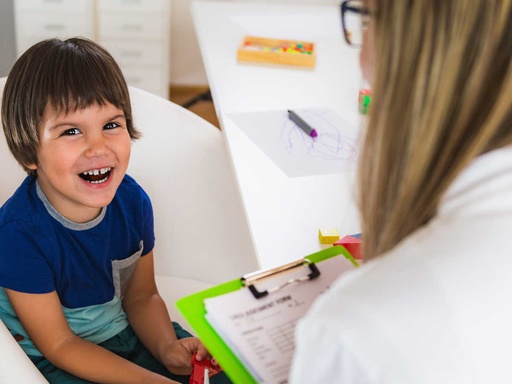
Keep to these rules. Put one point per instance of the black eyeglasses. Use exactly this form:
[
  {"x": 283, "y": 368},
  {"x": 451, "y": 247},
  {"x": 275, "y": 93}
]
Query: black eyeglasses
[{"x": 354, "y": 19}]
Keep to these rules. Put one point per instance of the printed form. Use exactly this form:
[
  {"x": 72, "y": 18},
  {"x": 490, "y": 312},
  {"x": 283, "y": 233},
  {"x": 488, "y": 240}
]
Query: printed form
[{"x": 261, "y": 331}]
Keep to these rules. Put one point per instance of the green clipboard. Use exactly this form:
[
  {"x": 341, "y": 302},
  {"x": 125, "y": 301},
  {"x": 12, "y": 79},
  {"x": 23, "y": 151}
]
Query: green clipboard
[{"x": 193, "y": 310}]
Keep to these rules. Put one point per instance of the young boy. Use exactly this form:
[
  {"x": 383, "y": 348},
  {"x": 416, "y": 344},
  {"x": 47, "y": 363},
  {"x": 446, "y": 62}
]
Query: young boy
[{"x": 76, "y": 266}]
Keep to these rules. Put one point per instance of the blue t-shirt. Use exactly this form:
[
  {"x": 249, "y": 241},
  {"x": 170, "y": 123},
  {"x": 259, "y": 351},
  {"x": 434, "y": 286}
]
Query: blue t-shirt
[{"x": 88, "y": 264}]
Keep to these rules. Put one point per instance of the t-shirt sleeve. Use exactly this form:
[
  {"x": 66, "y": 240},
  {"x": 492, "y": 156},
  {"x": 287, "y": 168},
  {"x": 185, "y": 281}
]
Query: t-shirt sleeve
[
  {"x": 148, "y": 225},
  {"x": 23, "y": 265}
]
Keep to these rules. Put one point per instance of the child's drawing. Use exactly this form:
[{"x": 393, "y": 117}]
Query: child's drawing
[
  {"x": 332, "y": 143},
  {"x": 334, "y": 150}
]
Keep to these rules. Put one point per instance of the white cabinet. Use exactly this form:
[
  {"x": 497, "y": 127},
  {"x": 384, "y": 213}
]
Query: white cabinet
[
  {"x": 37, "y": 20},
  {"x": 136, "y": 32}
]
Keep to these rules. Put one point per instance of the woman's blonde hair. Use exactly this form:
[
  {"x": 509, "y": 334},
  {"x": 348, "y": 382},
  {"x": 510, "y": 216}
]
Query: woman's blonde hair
[{"x": 442, "y": 95}]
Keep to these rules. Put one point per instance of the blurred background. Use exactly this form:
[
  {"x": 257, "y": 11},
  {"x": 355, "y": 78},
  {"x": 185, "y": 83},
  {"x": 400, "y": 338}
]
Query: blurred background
[{"x": 153, "y": 40}]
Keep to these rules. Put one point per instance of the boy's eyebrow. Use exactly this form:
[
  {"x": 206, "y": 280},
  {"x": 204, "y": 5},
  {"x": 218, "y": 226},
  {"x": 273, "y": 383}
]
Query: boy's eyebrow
[
  {"x": 69, "y": 123},
  {"x": 121, "y": 115},
  {"x": 53, "y": 127}
]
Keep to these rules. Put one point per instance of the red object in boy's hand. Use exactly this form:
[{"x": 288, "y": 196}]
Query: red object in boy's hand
[{"x": 198, "y": 367}]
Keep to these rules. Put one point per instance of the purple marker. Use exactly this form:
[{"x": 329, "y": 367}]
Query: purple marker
[{"x": 302, "y": 124}]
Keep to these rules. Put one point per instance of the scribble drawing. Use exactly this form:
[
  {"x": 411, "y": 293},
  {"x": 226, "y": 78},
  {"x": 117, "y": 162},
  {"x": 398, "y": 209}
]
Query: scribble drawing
[{"x": 330, "y": 144}]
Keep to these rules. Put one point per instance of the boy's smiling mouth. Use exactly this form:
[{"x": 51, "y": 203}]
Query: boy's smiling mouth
[{"x": 96, "y": 176}]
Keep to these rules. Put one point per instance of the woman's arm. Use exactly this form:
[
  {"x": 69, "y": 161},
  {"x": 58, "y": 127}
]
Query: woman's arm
[
  {"x": 43, "y": 319},
  {"x": 150, "y": 320}
]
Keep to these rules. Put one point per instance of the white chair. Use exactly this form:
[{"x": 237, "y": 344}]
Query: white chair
[
  {"x": 15, "y": 366},
  {"x": 202, "y": 237}
]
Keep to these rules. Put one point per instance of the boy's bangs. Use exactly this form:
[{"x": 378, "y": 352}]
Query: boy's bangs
[
  {"x": 81, "y": 79},
  {"x": 71, "y": 92}
]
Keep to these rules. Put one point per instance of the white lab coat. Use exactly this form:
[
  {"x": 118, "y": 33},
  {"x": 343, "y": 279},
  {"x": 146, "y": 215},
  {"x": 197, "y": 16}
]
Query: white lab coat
[{"x": 436, "y": 309}]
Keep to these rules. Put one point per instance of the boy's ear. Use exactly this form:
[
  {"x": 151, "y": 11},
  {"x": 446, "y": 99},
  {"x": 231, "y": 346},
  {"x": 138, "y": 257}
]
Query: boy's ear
[{"x": 32, "y": 167}]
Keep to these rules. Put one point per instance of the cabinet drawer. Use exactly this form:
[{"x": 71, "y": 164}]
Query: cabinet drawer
[
  {"x": 54, "y": 5},
  {"x": 135, "y": 54},
  {"x": 130, "y": 26},
  {"x": 137, "y": 6},
  {"x": 25, "y": 42},
  {"x": 150, "y": 79},
  {"x": 58, "y": 24}
]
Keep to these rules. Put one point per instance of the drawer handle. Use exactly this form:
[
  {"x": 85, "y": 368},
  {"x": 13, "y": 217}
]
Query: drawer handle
[
  {"x": 131, "y": 53},
  {"x": 133, "y": 80},
  {"x": 54, "y": 27},
  {"x": 132, "y": 27}
]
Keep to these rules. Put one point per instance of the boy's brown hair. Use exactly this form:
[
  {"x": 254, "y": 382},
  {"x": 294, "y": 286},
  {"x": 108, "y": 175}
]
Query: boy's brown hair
[{"x": 67, "y": 75}]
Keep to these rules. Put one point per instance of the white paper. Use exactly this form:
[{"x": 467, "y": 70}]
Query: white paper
[
  {"x": 334, "y": 150},
  {"x": 261, "y": 331}
]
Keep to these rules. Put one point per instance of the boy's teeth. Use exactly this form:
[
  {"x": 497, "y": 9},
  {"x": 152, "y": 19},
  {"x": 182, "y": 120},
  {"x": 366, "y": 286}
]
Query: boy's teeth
[{"x": 96, "y": 172}]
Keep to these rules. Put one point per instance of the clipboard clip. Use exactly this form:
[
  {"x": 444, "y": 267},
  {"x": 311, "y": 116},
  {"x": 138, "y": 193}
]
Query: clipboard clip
[{"x": 250, "y": 279}]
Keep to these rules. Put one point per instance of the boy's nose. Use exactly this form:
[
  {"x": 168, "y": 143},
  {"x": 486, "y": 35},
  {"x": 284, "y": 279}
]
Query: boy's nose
[{"x": 96, "y": 146}]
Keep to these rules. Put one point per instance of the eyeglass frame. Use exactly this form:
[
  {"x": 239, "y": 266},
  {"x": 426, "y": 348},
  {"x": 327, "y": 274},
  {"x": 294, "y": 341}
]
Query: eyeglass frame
[{"x": 364, "y": 12}]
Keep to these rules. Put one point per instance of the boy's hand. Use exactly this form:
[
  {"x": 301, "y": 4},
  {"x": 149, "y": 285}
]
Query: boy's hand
[{"x": 178, "y": 355}]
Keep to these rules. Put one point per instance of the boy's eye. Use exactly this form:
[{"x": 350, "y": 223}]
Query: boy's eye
[
  {"x": 111, "y": 125},
  {"x": 70, "y": 132}
]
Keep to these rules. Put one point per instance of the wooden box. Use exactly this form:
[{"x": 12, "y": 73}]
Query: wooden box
[{"x": 276, "y": 51}]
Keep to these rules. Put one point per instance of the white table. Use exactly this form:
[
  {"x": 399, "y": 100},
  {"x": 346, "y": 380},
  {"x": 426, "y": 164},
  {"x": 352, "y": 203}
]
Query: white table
[{"x": 284, "y": 213}]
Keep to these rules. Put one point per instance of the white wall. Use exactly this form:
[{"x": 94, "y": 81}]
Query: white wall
[{"x": 186, "y": 64}]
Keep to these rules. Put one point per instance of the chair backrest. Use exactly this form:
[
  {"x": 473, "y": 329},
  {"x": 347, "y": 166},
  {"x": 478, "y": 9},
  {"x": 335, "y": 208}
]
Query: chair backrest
[
  {"x": 15, "y": 367},
  {"x": 181, "y": 162}
]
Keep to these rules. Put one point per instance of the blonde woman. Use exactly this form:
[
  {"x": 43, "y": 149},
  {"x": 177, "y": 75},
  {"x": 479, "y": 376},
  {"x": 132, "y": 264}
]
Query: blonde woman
[{"x": 433, "y": 304}]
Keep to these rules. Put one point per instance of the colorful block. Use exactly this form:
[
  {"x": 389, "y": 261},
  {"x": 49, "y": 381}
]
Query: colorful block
[
  {"x": 276, "y": 51},
  {"x": 328, "y": 235},
  {"x": 353, "y": 245},
  {"x": 365, "y": 97}
]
